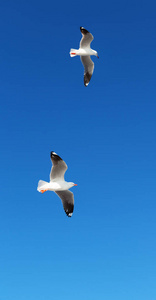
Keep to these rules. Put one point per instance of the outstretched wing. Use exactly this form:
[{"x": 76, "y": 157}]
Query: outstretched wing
[
  {"x": 88, "y": 68},
  {"x": 87, "y": 38},
  {"x": 67, "y": 198},
  {"x": 59, "y": 167}
]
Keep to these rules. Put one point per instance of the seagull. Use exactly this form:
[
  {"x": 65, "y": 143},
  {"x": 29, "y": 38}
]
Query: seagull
[
  {"x": 57, "y": 183},
  {"x": 85, "y": 51}
]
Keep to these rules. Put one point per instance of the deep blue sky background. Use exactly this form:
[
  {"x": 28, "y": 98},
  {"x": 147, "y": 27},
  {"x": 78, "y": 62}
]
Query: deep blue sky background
[{"x": 106, "y": 133}]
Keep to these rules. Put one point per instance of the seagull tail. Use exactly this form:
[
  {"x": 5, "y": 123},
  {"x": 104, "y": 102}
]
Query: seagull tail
[
  {"x": 41, "y": 184},
  {"x": 73, "y": 52}
]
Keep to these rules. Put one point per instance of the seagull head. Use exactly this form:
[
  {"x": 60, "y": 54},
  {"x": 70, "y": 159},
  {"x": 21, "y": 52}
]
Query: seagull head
[{"x": 71, "y": 184}]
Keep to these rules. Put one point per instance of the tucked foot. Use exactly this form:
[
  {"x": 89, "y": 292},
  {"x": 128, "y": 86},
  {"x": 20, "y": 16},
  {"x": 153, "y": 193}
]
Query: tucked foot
[{"x": 42, "y": 191}]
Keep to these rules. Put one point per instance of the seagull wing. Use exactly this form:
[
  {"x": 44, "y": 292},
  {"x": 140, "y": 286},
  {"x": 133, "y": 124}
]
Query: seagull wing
[
  {"x": 59, "y": 167},
  {"x": 87, "y": 38},
  {"x": 67, "y": 198},
  {"x": 88, "y": 68}
]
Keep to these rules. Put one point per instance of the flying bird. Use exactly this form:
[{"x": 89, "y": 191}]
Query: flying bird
[
  {"x": 57, "y": 183},
  {"x": 85, "y": 51}
]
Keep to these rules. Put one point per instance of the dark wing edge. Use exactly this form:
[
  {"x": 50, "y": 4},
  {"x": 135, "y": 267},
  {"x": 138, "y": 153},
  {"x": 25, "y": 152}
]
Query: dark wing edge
[
  {"x": 67, "y": 198},
  {"x": 88, "y": 68},
  {"x": 55, "y": 158},
  {"x": 87, "y": 38},
  {"x": 59, "y": 167},
  {"x": 83, "y": 30},
  {"x": 87, "y": 78}
]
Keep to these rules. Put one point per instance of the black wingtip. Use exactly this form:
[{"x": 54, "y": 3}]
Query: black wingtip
[
  {"x": 52, "y": 153},
  {"x": 69, "y": 210},
  {"x": 69, "y": 214},
  {"x": 55, "y": 155},
  {"x": 87, "y": 78},
  {"x": 83, "y": 30}
]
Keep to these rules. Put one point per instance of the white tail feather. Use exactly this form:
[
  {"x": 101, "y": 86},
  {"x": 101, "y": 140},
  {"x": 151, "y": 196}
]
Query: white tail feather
[
  {"x": 41, "y": 183},
  {"x": 73, "y": 52}
]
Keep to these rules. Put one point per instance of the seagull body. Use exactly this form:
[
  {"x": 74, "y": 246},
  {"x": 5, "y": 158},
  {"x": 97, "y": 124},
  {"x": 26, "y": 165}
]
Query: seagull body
[
  {"x": 82, "y": 52},
  {"x": 44, "y": 186},
  {"x": 58, "y": 185},
  {"x": 85, "y": 52}
]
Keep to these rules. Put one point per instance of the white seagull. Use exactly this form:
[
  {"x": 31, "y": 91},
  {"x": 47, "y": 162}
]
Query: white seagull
[
  {"x": 85, "y": 51},
  {"x": 58, "y": 185}
]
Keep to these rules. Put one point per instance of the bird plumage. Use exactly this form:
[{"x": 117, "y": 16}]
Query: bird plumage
[
  {"x": 58, "y": 184},
  {"x": 85, "y": 52}
]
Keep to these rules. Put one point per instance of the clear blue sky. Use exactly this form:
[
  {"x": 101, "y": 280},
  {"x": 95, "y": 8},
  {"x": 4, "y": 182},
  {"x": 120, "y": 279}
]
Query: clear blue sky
[{"x": 105, "y": 132}]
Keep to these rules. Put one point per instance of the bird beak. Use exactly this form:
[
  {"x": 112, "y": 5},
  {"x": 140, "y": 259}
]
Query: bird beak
[
  {"x": 75, "y": 184},
  {"x": 97, "y": 56}
]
